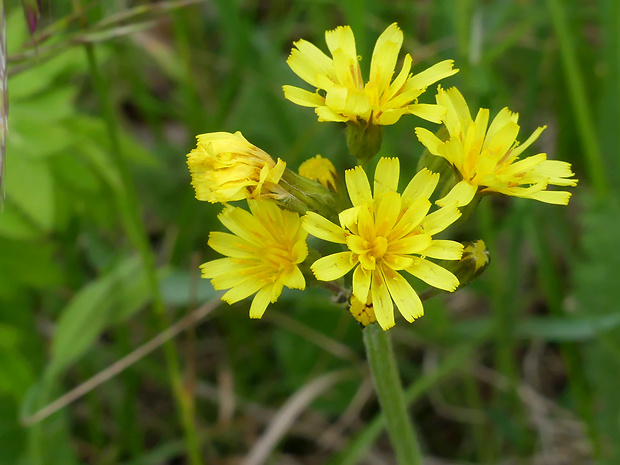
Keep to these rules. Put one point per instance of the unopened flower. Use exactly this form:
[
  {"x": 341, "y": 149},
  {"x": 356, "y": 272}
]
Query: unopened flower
[
  {"x": 386, "y": 233},
  {"x": 320, "y": 169},
  {"x": 263, "y": 254},
  {"x": 226, "y": 167},
  {"x": 364, "y": 313},
  {"x": 488, "y": 158},
  {"x": 342, "y": 94}
]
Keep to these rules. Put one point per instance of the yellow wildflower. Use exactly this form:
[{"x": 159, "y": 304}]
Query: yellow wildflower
[
  {"x": 487, "y": 158},
  {"x": 343, "y": 95},
  {"x": 320, "y": 169},
  {"x": 226, "y": 167},
  {"x": 263, "y": 254},
  {"x": 364, "y": 313},
  {"x": 387, "y": 233}
]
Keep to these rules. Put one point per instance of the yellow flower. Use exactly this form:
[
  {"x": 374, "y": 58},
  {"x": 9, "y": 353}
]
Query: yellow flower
[
  {"x": 263, "y": 254},
  {"x": 387, "y": 233},
  {"x": 320, "y": 169},
  {"x": 226, "y": 167},
  {"x": 486, "y": 158},
  {"x": 364, "y": 313},
  {"x": 344, "y": 96}
]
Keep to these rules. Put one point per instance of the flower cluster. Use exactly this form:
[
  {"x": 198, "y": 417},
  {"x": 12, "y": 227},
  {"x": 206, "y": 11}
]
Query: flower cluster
[{"x": 387, "y": 237}]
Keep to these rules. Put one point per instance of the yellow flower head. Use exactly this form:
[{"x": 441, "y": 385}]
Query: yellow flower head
[
  {"x": 386, "y": 233},
  {"x": 226, "y": 167},
  {"x": 343, "y": 95},
  {"x": 263, "y": 253},
  {"x": 364, "y": 313},
  {"x": 320, "y": 169},
  {"x": 487, "y": 157}
]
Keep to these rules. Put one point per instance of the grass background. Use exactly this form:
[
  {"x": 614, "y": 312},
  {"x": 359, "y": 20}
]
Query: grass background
[{"x": 101, "y": 238}]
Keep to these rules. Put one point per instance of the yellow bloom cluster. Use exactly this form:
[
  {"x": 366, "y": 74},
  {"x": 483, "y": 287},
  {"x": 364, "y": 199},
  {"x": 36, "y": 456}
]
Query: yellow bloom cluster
[
  {"x": 387, "y": 239},
  {"x": 342, "y": 94}
]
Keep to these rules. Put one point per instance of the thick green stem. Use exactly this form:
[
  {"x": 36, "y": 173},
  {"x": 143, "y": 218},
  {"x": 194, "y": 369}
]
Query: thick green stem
[
  {"x": 130, "y": 214},
  {"x": 390, "y": 392}
]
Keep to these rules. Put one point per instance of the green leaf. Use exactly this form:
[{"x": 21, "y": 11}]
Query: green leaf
[
  {"x": 559, "y": 329},
  {"x": 103, "y": 302},
  {"x": 14, "y": 225},
  {"x": 30, "y": 187}
]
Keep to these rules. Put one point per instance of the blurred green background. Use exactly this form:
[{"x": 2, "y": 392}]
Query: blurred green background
[{"x": 101, "y": 238}]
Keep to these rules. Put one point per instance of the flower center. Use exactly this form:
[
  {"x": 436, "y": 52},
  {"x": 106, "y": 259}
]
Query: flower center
[{"x": 376, "y": 247}]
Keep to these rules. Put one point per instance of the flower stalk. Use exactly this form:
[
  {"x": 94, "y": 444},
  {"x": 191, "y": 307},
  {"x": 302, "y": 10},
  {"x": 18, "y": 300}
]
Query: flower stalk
[{"x": 390, "y": 392}]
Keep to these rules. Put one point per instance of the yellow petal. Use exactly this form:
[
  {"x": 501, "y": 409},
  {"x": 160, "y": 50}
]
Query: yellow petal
[
  {"x": 294, "y": 279},
  {"x": 553, "y": 197},
  {"x": 457, "y": 113},
  {"x": 444, "y": 250},
  {"x": 518, "y": 150},
  {"x": 388, "y": 211},
  {"x": 327, "y": 114},
  {"x": 382, "y": 302},
  {"x": 434, "y": 275},
  {"x": 462, "y": 194},
  {"x": 348, "y": 101},
  {"x": 231, "y": 245},
  {"x": 429, "y": 140},
  {"x": 322, "y": 228},
  {"x": 260, "y": 302},
  {"x": 405, "y": 298},
  {"x": 303, "y": 97},
  {"x": 241, "y": 223},
  {"x": 387, "y": 117},
  {"x": 412, "y": 244},
  {"x": 384, "y": 56},
  {"x": 361, "y": 283},
  {"x": 556, "y": 171},
  {"x": 524, "y": 165},
  {"x": 341, "y": 38},
  {"x": 399, "y": 83},
  {"x": 414, "y": 213},
  {"x": 358, "y": 186},
  {"x": 333, "y": 266},
  {"x": 427, "y": 111},
  {"x": 242, "y": 290},
  {"x": 215, "y": 267},
  {"x": 308, "y": 62},
  {"x": 504, "y": 117},
  {"x": 386, "y": 176},
  {"x": 422, "y": 185},
  {"x": 433, "y": 74},
  {"x": 503, "y": 138},
  {"x": 441, "y": 219}
]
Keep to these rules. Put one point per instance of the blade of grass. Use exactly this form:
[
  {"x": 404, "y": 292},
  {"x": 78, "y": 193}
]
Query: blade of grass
[{"x": 578, "y": 98}]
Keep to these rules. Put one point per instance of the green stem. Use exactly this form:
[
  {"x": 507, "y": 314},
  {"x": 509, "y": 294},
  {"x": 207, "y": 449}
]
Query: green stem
[
  {"x": 578, "y": 98},
  {"x": 130, "y": 213},
  {"x": 390, "y": 392}
]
